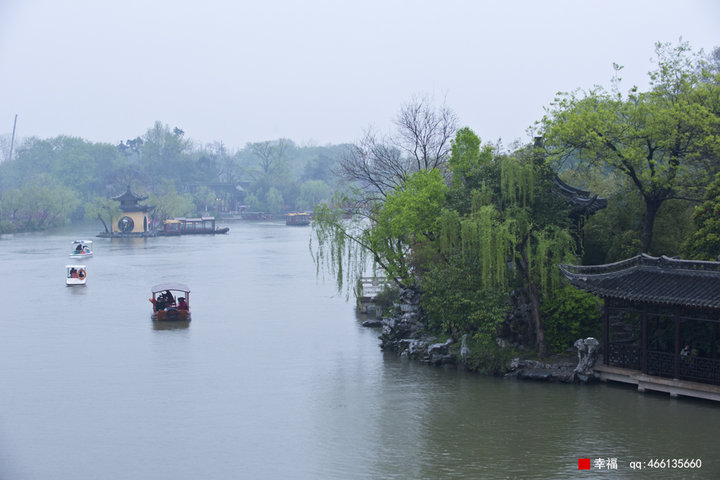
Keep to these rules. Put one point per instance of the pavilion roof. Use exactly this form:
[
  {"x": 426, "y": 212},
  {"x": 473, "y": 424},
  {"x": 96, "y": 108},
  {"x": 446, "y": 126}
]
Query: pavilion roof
[
  {"x": 581, "y": 202},
  {"x": 129, "y": 197},
  {"x": 646, "y": 279}
]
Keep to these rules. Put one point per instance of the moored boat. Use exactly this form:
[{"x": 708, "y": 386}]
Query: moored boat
[
  {"x": 297, "y": 218},
  {"x": 171, "y": 301},
  {"x": 81, "y": 249},
  {"x": 171, "y": 227},
  {"x": 190, "y": 226},
  {"x": 75, "y": 275}
]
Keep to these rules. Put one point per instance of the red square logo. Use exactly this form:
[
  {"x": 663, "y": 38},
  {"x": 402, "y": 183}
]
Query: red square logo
[{"x": 583, "y": 464}]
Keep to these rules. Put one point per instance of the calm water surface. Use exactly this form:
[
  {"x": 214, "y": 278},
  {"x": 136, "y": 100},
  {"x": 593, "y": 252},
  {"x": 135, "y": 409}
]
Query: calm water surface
[{"x": 274, "y": 378}]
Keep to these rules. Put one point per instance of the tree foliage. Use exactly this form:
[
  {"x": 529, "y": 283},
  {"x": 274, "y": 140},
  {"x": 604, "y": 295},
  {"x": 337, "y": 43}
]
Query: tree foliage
[
  {"x": 392, "y": 233},
  {"x": 665, "y": 141},
  {"x": 37, "y": 206},
  {"x": 170, "y": 168},
  {"x": 393, "y": 181},
  {"x": 570, "y": 314},
  {"x": 456, "y": 303},
  {"x": 507, "y": 224},
  {"x": 406, "y": 223},
  {"x": 103, "y": 209},
  {"x": 339, "y": 245},
  {"x": 169, "y": 203},
  {"x": 704, "y": 244}
]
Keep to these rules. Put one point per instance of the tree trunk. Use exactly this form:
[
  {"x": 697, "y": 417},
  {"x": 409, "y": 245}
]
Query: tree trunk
[
  {"x": 104, "y": 224},
  {"x": 533, "y": 293},
  {"x": 651, "y": 210},
  {"x": 534, "y": 297}
]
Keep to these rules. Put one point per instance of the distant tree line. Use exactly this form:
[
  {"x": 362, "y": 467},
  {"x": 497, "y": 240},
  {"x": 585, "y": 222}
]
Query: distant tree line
[{"x": 50, "y": 182}]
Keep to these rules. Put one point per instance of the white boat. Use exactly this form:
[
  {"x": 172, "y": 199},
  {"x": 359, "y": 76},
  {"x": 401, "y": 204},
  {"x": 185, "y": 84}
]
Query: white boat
[
  {"x": 75, "y": 275},
  {"x": 81, "y": 249}
]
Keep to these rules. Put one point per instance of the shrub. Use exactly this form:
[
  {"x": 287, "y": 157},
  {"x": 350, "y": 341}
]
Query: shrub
[{"x": 568, "y": 315}]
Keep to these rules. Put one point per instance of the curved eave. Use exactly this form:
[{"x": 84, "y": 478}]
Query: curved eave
[{"x": 685, "y": 288}]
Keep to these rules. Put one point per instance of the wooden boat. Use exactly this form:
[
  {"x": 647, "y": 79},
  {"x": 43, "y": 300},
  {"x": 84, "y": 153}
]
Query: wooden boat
[
  {"x": 75, "y": 275},
  {"x": 81, "y": 249},
  {"x": 171, "y": 301},
  {"x": 301, "y": 218},
  {"x": 191, "y": 226},
  {"x": 171, "y": 227}
]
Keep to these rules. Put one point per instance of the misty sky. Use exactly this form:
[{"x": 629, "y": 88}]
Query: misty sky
[{"x": 317, "y": 72}]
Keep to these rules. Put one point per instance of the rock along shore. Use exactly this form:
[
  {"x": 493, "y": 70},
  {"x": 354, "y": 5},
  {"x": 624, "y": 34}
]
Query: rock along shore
[{"x": 402, "y": 334}]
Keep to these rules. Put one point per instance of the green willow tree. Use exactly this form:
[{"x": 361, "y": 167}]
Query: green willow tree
[
  {"x": 356, "y": 227},
  {"x": 506, "y": 222},
  {"x": 391, "y": 233},
  {"x": 666, "y": 140}
]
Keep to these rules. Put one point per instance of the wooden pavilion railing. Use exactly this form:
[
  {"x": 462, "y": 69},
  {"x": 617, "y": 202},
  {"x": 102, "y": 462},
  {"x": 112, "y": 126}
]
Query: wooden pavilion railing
[
  {"x": 624, "y": 355},
  {"x": 700, "y": 369},
  {"x": 663, "y": 364}
]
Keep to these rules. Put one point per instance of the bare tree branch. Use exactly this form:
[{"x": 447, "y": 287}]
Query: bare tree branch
[{"x": 422, "y": 142}]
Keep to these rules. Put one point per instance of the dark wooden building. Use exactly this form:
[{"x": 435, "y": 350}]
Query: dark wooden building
[{"x": 662, "y": 315}]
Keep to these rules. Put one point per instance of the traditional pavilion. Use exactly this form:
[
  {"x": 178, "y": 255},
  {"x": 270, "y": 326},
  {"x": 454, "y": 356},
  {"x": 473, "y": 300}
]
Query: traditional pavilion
[
  {"x": 661, "y": 318},
  {"x": 134, "y": 220},
  {"x": 582, "y": 203}
]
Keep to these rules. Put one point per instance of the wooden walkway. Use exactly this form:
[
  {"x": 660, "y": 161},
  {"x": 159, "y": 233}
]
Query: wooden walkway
[
  {"x": 369, "y": 289},
  {"x": 659, "y": 384}
]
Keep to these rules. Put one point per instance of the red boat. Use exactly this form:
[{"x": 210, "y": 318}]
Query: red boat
[{"x": 171, "y": 301}]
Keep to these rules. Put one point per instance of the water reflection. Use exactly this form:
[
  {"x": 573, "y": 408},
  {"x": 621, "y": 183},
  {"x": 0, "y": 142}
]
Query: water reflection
[
  {"x": 116, "y": 243},
  {"x": 77, "y": 289},
  {"x": 170, "y": 325}
]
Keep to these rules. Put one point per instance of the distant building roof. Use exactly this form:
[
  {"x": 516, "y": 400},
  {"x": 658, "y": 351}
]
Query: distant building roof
[
  {"x": 646, "y": 279},
  {"x": 129, "y": 196},
  {"x": 129, "y": 201},
  {"x": 581, "y": 202}
]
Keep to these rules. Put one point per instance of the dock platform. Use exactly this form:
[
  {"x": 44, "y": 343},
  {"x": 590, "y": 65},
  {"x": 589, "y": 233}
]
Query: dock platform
[{"x": 645, "y": 382}]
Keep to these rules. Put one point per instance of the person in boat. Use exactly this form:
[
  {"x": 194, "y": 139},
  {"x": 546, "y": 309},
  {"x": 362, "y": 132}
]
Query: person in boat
[
  {"x": 181, "y": 304},
  {"x": 73, "y": 273},
  {"x": 79, "y": 248},
  {"x": 169, "y": 299},
  {"x": 160, "y": 303}
]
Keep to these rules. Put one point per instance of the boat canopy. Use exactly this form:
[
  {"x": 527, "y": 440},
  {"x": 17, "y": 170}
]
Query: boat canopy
[
  {"x": 75, "y": 266},
  {"x": 82, "y": 242},
  {"x": 171, "y": 286}
]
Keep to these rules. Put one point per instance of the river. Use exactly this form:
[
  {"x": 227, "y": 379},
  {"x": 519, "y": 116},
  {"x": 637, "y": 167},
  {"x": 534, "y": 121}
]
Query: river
[{"x": 275, "y": 378}]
